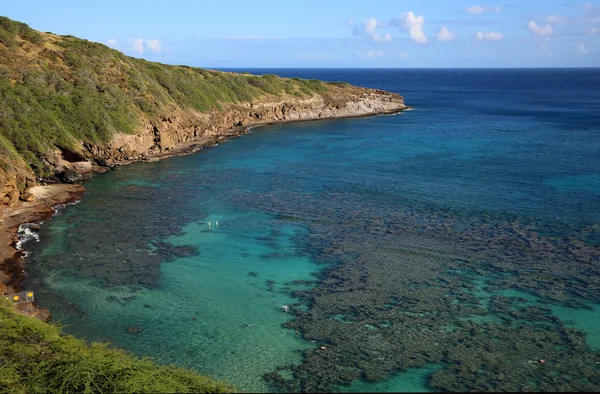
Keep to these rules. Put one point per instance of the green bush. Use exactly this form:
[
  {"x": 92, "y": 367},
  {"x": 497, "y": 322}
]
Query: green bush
[
  {"x": 7, "y": 38},
  {"x": 10, "y": 30},
  {"x": 340, "y": 84}
]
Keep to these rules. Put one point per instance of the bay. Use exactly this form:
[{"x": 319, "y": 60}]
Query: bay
[{"x": 450, "y": 247}]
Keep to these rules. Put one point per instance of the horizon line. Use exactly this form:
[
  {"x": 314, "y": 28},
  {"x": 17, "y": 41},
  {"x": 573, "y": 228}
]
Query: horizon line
[{"x": 399, "y": 68}]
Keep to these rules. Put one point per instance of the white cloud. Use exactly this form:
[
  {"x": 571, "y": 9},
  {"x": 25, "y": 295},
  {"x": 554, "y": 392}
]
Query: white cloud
[
  {"x": 369, "y": 26},
  {"x": 139, "y": 45},
  {"x": 445, "y": 34},
  {"x": 478, "y": 9},
  {"x": 556, "y": 19},
  {"x": 413, "y": 24},
  {"x": 152, "y": 44},
  {"x": 491, "y": 36},
  {"x": 593, "y": 31},
  {"x": 408, "y": 21},
  {"x": 111, "y": 42},
  {"x": 540, "y": 31},
  {"x": 367, "y": 30},
  {"x": 582, "y": 49}
]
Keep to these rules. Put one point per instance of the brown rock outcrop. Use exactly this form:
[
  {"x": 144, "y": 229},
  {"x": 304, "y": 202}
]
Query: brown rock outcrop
[
  {"x": 14, "y": 181},
  {"x": 184, "y": 126},
  {"x": 185, "y": 130}
]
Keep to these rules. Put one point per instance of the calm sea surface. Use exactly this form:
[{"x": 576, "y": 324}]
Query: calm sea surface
[{"x": 452, "y": 247}]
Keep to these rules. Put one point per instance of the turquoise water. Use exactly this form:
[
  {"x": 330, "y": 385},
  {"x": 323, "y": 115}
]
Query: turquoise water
[
  {"x": 445, "y": 248},
  {"x": 411, "y": 381},
  {"x": 218, "y": 310}
]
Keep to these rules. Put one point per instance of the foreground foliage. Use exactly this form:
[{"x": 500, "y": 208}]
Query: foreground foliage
[
  {"x": 61, "y": 90},
  {"x": 35, "y": 357}
]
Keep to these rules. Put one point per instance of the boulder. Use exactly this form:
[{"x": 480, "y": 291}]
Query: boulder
[
  {"x": 13, "y": 197},
  {"x": 31, "y": 310},
  {"x": 70, "y": 176},
  {"x": 135, "y": 330},
  {"x": 26, "y": 196}
]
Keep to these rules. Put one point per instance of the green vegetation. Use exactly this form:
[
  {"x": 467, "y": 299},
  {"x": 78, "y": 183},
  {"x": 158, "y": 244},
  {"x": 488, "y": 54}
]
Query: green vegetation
[
  {"x": 340, "y": 84},
  {"x": 36, "y": 358},
  {"x": 62, "y": 90},
  {"x": 9, "y": 30}
]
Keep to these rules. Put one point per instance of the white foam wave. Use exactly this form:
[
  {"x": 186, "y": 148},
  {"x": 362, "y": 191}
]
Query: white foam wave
[
  {"x": 26, "y": 233},
  {"x": 398, "y": 113},
  {"x": 250, "y": 128},
  {"x": 58, "y": 207}
]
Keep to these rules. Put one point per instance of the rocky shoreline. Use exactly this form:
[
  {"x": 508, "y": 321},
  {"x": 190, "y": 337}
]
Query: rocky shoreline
[
  {"x": 41, "y": 208},
  {"x": 183, "y": 133}
]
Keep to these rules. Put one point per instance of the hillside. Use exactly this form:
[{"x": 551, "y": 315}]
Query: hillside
[
  {"x": 71, "y": 104},
  {"x": 37, "y": 358}
]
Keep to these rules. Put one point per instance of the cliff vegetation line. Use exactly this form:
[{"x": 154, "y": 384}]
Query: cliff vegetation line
[{"x": 62, "y": 92}]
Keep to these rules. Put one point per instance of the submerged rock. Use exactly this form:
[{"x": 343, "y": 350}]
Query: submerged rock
[{"x": 135, "y": 330}]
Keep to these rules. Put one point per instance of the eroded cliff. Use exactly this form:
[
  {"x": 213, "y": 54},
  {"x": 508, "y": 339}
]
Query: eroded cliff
[{"x": 184, "y": 125}]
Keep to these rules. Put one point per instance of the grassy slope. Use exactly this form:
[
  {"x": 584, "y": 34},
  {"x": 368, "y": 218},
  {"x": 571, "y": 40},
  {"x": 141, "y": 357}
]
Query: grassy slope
[
  {"x": 62, "y": 90},
  {"x": 36, "y": 358}
]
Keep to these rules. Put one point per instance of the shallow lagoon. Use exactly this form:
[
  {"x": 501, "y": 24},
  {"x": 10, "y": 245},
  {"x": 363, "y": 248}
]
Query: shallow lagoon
[{"x": 449, "y": 247}]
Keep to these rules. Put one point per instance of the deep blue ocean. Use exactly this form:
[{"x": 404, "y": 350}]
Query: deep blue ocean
[{"x": 453, "y": 247}]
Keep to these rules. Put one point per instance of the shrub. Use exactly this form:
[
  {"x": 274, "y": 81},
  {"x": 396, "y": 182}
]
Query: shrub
[
  {"x": 35, "y": 357},
  {"x": 10, "y": 30},
  {"x": 340, "y": 84}
]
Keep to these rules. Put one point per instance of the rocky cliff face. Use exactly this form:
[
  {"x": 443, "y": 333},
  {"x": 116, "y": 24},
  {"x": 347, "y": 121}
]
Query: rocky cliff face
[
  {"x": 13, "y": 183},
  {"x": 159, "y": 137},
  {"x": 183, "y": 126}
]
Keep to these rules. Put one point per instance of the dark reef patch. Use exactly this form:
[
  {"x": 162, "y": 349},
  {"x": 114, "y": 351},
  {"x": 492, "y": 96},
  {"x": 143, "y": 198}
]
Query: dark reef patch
[
  {"x": 416, "y": 287},
  {"x": 127, "y": 246}
]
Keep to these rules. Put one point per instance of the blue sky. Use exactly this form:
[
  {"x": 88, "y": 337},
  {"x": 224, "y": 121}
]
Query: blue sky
[{"x": 331, "y": 33}]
